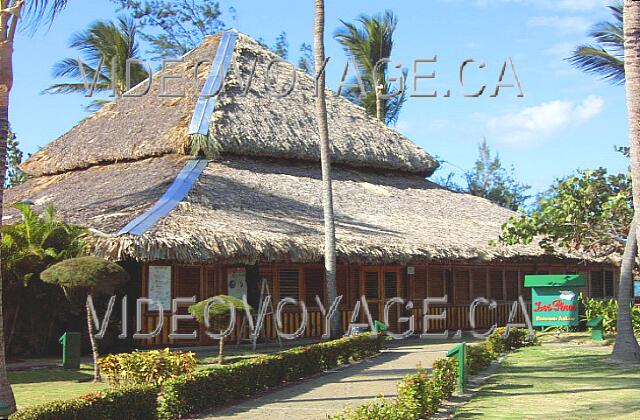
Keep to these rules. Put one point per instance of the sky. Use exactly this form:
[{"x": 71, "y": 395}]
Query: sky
[{"x": 565, "y": 121}]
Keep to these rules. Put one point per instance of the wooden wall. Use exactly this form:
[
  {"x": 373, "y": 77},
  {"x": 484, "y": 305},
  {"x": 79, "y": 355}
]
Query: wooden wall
[{"x": 460, "y": 283}]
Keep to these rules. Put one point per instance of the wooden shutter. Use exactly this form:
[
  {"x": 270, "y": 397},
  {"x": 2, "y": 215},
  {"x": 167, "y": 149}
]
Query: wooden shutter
[
  {"x": 526, "y": 291},
  {"x": 188, "y": 283},
  {"x": 479, "y": 283},
  {"x": 511, "y": 278},
  {"x": 420, "y": 281},
  {"x": 314, "y": 285},
  {"x": 435, "y": 283},
  {"x": 289, "y": 283},
  {"x": 354, "y": 287},
  {"x": 495, "y": 285},
  {"x": 461, "y": 286},
  {"x": 371, "y": 287},
  {"x": 608, "y": 283},
  {"x": 390, "y": 284}
]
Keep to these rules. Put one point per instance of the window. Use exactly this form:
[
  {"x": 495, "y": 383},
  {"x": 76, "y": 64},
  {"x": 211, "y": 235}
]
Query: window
[
  {"x": 435, "y": 283},
  {"x": 289, "y": 286},
  {"x": 390, "y": 285},
  {"x": 597, "y": 286},
  {"x": 314, "y": 285},
  {"x": 420, "y": 283},
  {"x": 371, "y": 285},
  {"x": 608, "y": 283},
  {"x": 479, "y": 283}
]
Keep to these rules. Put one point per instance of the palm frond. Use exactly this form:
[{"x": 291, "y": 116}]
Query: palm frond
[
  {"x": 598, "y": 61},
  {"x": 39, "y": 12}
]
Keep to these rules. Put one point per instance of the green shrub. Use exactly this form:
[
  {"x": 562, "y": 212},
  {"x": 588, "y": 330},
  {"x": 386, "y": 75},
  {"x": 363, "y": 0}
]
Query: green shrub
[
  {"x": 210, "y": 388},
  {"x": 479, "y": 356},
  {"x": 608, "y": 310},
  {"x": 146, "y": 367},
  {"x": 419, "y": 395},
  {"x": 131, "y": 403},
  {"x": 499, "y": 342}
]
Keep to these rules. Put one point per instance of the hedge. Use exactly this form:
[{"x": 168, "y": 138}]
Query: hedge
[
  {"x": 210, "y": 388},
  {"x": 420, "y": 395},
  {"x": 132, "y": 403}
]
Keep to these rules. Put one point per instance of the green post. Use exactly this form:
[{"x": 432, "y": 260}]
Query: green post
[
  {"x": 5, "y": 410},
  {"x": 597, "y": 328},
  {"x": 459, "y": 351},
  {"x": 70, "y": 350}
]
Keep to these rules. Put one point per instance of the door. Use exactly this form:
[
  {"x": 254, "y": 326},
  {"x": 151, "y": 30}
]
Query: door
[{"x": 381, "y": 283}]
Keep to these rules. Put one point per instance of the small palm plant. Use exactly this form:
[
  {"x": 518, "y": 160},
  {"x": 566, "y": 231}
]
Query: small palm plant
[
  {"x": 84, "y": 276},
  {"x": 219, "y": 315}
]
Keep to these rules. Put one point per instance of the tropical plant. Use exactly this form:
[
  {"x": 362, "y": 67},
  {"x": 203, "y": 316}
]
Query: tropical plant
[
  {"x": 37, "y": 11},
  {"x": 604, "y": 58},
  {"x": 219, "y": 314},
  {"x": 369, "y": 44},
  {"x": 29, "y": 247},
  {"x": 81, "y": 278},
  {"x": 626, "y": 348},
  {"x": 325, "y": 162},
  {"x": 104, "y": 48},
  {"x": 174, "y": 27},
  {"x": 590, "y": 211}
]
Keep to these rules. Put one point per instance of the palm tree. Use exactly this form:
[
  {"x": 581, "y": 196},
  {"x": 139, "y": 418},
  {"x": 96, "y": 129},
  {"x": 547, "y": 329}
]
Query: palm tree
[
  {"x": 368, "y": 45},
  {"x": 626, "y": 348},
  {"x": 29, "y": 247},
  {"x": 38, "y": 11},
  {"x": 606, "y": 57},
  {"x": 101, "y": 44},
  {"x": 325, "y": 161}
]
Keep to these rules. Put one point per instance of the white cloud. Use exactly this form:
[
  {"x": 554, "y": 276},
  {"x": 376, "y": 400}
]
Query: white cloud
[
  {"x": 561, "y": 24},
  {"x": 537, "y": 124}
]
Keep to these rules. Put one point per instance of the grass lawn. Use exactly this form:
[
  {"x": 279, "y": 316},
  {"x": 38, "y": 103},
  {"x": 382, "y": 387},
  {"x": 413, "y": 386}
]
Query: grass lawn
[
  {"x": 34, "y": 387},
  {"x": 561, "y": 380}
]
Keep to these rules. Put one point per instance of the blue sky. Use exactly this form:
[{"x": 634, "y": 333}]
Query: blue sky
[{"x": 565, "y": 121}]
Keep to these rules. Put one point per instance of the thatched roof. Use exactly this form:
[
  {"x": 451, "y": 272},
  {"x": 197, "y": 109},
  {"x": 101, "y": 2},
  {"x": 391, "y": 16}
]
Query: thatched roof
[
  {"x": 257, "y": 124},
  {"x": 248, "y": 209},
  {"x": 261, "y": 200}
]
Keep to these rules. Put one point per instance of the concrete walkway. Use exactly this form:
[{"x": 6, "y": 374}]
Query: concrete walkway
[{"x": 332, "y": 391}]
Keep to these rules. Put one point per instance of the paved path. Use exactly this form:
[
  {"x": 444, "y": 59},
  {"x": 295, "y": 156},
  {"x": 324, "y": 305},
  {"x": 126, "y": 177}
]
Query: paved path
[{"x": 330, "y": 392}]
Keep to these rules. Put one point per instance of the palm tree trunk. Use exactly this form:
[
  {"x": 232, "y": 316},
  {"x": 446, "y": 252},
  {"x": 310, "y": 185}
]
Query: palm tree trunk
[
  {"x": 325, "y": 161},
  {"x": 379, "y": 104},
  {"x": 626, "y": 348},
  {"x": 94, "y": 345},
  {"x": 6, "y": 82}
]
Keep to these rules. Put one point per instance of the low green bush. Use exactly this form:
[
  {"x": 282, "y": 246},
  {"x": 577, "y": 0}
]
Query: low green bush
[
  {"x": 501, "y": 342},
  {"x": 608, "y": 311},
  {"x": 146, "y": 367},
  {"x": 479, "y": 357},
  {"x": 131, "y": 403},
  {"x": 419, "y": 395},
  {"x": 209, "y": 388}
]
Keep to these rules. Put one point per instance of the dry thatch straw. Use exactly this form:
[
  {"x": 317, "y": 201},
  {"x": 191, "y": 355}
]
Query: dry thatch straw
[{"x": 261, "y": 200}]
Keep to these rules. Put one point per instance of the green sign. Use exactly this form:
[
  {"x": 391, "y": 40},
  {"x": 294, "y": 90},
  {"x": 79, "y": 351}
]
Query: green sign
[{"x": 554, "y": 299}]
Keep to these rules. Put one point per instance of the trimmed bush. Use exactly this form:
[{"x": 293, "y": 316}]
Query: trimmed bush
[
  {"x": 479, "y": 357},
  {"x": 210, "y": 388},
  {"x": 146, "y": 367},
  {"x": 132, "y": 403},
  {"x": 499, "y": 342},
  {"x": 419, "y": 395}
]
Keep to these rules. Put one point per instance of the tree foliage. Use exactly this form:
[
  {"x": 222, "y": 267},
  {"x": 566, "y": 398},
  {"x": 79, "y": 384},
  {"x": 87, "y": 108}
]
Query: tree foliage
[
  {"x": 174, "y": 27},
  {"x": 605, "y": 56},
  {"x": 218, "y": 312},
  {"x": 590, "y": 211},
  {"x": 99, "y": 46},
  {"x": 85, "y": 275},
  {"x": 14, "y": 175},
  {"x": 368, "y": 41}
]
